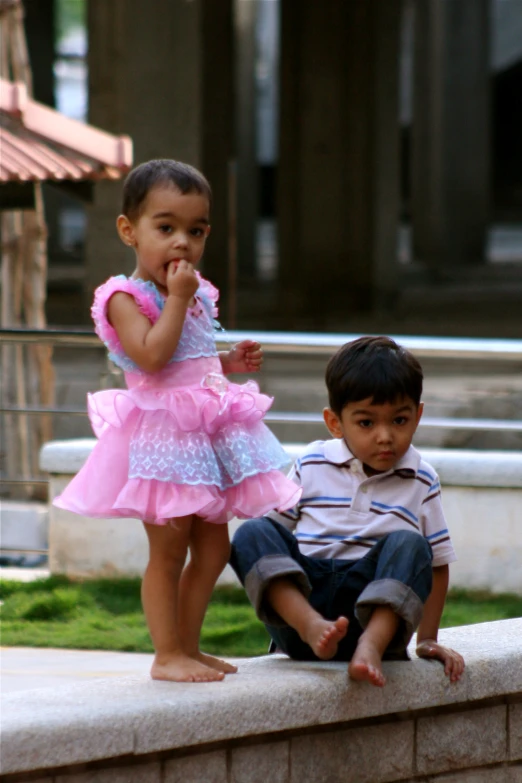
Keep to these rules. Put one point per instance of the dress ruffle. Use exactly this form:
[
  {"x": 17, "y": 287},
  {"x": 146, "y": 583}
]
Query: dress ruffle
[
  {"x": 175, "y": 451},
  {"x": 192, "y": 407}
]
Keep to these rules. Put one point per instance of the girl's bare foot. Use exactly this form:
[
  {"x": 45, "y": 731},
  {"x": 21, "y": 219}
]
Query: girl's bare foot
[
  {"x": 216, "y": 663},
  {"x": 178, "y": 667},
  {"x": 366, "y": 665},
  {"x": 324, "y": 636}
]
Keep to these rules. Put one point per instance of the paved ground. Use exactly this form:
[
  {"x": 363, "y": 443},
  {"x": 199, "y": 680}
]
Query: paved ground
[{"x": 26, "y": 668}]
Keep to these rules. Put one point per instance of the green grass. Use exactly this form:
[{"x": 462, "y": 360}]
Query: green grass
[{"x": 106, "y": 614}]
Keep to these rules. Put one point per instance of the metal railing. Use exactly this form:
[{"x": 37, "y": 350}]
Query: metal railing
[
  {"x": 303, "y": 343},
  {"x": 292, "y": 345}
]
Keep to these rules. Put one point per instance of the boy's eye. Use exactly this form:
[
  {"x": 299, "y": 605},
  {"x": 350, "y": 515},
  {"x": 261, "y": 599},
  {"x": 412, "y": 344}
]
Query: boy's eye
[
  {"x": 401, "y": 420},
  {"x": 365, "y": 423},
  {"x": 165, "y": 229},
  {"x": 197, "y": 232}
]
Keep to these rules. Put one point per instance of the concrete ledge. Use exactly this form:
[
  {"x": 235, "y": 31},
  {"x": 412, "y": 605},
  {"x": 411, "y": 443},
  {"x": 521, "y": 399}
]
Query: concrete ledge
[
  {"x": 284, "y": 718},
  {"x": 482, "y": 496},
  {"x": 65, "y": 456},
  {"x": 456, "y": 467},
  {"x": 23, "y": 524}
]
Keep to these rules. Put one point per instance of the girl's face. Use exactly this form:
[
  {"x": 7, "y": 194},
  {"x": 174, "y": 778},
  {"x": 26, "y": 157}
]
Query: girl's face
[{"x": 171, "y": 226}]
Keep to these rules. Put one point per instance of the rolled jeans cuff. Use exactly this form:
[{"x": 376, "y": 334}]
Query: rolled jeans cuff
[
  {"x": 265, "y": 570},
  {"x": 402, "y": 599}
]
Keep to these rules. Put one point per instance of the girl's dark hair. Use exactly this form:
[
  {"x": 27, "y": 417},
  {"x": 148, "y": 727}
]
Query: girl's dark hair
[
  {"x": 372, "y": 367},
  {"x": 146, "y": 176}
]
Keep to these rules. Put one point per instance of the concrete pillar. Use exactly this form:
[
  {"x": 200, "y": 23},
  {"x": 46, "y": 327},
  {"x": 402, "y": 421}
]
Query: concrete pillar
[
  {"x": 451, "y": 134},
  {"x": 338, "y": 158},
  {"x": 162, "y": 72},
  {"x": 246, "y": 172},
  {"x": 39, "y": 23}
]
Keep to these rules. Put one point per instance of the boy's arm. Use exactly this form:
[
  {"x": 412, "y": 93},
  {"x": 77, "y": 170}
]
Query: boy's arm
[
  {"x": 290, "y": 516},
  {"x": 434, "y": 606},
  {"x": 427, "y": 633}
]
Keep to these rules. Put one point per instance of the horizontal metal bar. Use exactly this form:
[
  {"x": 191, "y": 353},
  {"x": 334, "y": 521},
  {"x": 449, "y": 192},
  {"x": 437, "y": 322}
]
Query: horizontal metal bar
[
  {"x": 22, "y": 550},
  {"x": 505, "y": 425},
  {"x": 24, "y": 481},
  {"x": 291, "y": 417},
  {"x": 33, "y": 411},
  {"x": 426, "y": 421},
  {"x": 302, "y": 343},
  {"x": 56, "y": 337}
]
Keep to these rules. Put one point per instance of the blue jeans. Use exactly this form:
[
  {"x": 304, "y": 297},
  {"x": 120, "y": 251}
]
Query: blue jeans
[{"x": 396, "y": 572}]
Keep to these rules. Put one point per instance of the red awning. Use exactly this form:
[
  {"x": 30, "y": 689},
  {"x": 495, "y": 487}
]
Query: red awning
[{"x": 39, "y": 144}]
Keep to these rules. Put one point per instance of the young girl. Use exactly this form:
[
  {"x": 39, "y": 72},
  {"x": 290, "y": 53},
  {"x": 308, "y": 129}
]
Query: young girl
[{"x": 181, "y": 448}]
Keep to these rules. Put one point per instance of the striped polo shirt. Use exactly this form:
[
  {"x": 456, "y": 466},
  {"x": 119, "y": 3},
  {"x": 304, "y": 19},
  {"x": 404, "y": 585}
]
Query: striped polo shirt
[{"x": 342, "y": 512}]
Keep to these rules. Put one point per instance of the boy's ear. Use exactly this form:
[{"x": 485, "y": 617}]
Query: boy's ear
[
  {"x": 125, "y": 230},
  {"x": 420, "y": 411},
  {"x": 333, "y": 423}
]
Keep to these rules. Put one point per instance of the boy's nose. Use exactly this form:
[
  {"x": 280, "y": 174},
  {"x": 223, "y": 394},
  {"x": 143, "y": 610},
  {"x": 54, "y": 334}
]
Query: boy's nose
[{"x": 384, "y": 435}]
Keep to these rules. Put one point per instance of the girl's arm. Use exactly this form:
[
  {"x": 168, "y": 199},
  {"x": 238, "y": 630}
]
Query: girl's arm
[
  {"x": 151, "y": 346},
  {"x": 246, "y": 356},
  {"x": 427, "y": 633}
]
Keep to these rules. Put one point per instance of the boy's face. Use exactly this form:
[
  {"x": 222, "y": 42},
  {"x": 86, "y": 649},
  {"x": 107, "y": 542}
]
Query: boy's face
[{"x": 378, "y": 435}]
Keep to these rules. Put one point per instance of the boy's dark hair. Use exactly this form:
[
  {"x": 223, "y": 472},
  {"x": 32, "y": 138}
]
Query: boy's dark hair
[
  {"x": 163, "y": 171},
  {"x": 372, "y": 367}
]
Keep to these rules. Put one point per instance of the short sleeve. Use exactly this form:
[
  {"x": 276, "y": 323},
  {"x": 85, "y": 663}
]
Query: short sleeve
[
  {"x": 290, "y": 517},
  {"x": 435, "y": 528},
  {"x": 145, "y": 299}
]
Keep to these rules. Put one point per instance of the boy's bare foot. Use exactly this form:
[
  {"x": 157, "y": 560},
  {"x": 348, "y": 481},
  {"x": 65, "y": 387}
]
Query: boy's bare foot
[
  {"x": 324, "y": 636},
  {"x": 366, "y": 665},
  {"x": 178, "y": 667},
  {"x": 216, "y": 663}
]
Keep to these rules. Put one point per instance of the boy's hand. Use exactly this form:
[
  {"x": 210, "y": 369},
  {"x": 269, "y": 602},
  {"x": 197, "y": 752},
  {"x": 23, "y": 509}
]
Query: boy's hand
[
  {"x": 246, "y": 356},
  {"x": 452, "y": 660}
]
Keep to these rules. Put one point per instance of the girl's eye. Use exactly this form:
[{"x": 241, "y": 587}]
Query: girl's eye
[{"x": 197, "y": 232}]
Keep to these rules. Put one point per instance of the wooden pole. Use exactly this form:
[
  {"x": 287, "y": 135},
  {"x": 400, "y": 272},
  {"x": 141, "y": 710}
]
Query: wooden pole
[{"x": 28, "y": 372}]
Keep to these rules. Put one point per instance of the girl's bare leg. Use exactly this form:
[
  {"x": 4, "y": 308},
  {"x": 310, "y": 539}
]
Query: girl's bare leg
[
  {"x": 323, "y": 636},
  {"x": 366, "y": 663},
  {"x": 209, "y": 552},
  {"x": 160, "y": 597}
]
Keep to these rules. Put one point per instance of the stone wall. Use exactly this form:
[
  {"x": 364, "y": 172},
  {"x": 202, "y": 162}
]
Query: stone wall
[{"x": 282, "y": 721}]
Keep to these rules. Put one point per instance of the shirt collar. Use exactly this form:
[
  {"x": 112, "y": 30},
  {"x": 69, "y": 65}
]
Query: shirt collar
[
  {"x": 337, "y": 452},
  {"x": 410, "y": 461}
]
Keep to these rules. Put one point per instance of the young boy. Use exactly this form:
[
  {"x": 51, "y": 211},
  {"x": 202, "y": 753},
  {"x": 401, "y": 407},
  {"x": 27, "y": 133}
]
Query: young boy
[{"x": 362, "y": 560}]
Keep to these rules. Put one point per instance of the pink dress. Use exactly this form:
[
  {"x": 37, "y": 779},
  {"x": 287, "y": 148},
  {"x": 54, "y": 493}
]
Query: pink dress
[{"x": 180, "y": 441}]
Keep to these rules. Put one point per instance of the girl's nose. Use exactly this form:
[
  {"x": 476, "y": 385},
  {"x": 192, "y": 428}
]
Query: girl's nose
[{"x": 180, "y": 239}]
